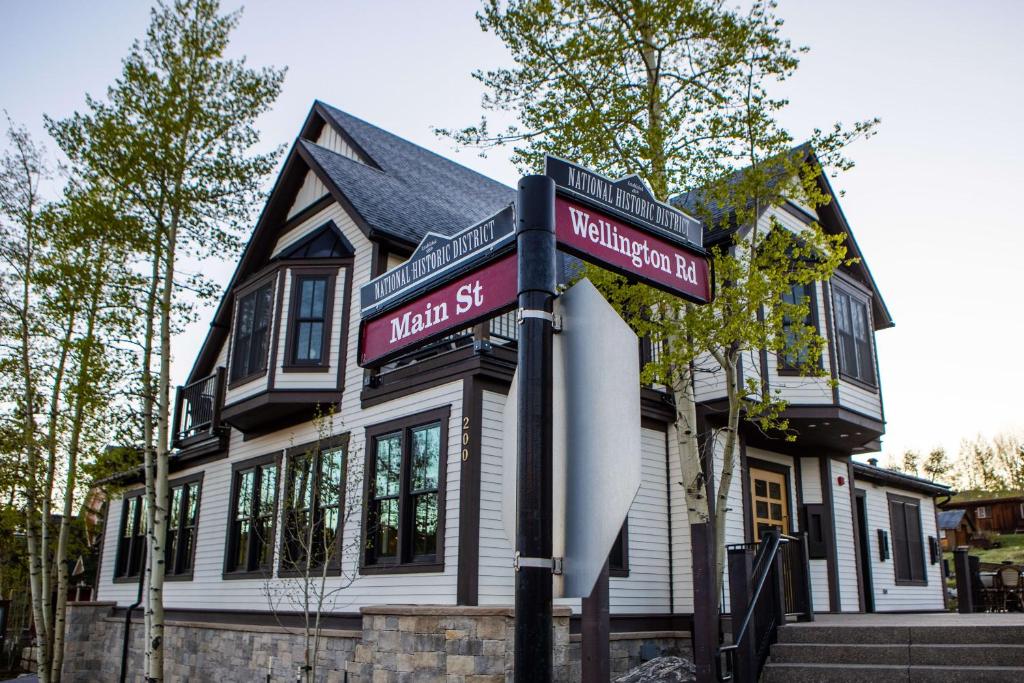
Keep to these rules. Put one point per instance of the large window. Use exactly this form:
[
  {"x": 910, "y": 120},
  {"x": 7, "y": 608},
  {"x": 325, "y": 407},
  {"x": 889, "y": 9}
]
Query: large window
[
  {"x": 131, "y": 540},
  {"x": 179, "y": 549},
  {"x": 252, "y": 333},
  {"x": 314, "y": 505},
  {"x": 853, "y": 336},
  {"x": 309, "y": 326},
  {"x": 795, "y": 354},
  {"x": 405, "y": 475},
  {"x": 254, "y": 513},
  {"x": 907, "y": 540}
]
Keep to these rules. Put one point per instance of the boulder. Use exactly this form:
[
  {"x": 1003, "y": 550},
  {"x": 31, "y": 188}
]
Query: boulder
[{"x": 661, "y": 670}]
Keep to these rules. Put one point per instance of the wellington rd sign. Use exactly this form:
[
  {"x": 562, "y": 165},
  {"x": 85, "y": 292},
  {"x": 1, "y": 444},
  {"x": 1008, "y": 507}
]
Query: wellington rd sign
[
  {"x": 620, "y": 226},
  {"x": 448, "y": 284}
]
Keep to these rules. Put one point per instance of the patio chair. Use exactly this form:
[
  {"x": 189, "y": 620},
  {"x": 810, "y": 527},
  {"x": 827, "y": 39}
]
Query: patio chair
[{"x": 1009, "y": 578}]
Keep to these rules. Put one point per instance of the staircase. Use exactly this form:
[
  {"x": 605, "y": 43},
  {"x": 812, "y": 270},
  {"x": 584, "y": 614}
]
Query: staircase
[{"x": 882, "y": 648}]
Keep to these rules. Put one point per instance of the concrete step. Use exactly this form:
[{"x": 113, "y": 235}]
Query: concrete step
[
  {"x": 874, "y": 653},
  {"x": 939, "y": 635},
  {"x": 877, "y": 673},
  {"x": 819, "y": 673},
  {"x": 827, "y": 653},
  {"x": 959, "y": 655},
  {"x": 966, "y": 674}
]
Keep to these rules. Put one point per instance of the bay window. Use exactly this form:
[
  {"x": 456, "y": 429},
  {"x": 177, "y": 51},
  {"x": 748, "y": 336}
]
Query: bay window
[
  {"x": 853, "y": 335},
  {"x": 309, "y": 324},
  {"x": 252, "y": 333}
]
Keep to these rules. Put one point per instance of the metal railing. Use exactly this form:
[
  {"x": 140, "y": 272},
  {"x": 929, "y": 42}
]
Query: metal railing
[
  {"x": 764, "y": 588},
  {"x": 503, "y": 328},
  {"x": 197, "y": 408}
]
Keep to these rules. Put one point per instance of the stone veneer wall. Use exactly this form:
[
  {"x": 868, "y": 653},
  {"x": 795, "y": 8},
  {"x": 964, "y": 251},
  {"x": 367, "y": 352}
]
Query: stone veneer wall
[{"x": 397, "y": 644}]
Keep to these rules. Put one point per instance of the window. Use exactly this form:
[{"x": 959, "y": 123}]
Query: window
[
  {"x": 254, "y": 514},
  {"x": 131, "y": 541},
  {"x": 309, "y": 325},
  {"x": 405, "y": 467},
  {"x": 314, "y": 500},
  {"x": 907, "y": 541},
  {"x": 853, "y": 336},
  {"x": 795, "y": 353},
  {"x": 618, "y": 558},
  {"x": 179, "y": 548},
  {"x": 252, "y": 333},
  {"x": 981, "y": 512}
]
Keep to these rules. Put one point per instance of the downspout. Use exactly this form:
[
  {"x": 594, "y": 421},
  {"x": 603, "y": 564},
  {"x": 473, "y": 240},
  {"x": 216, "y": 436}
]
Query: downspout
[{"x": 128, "y": 620}]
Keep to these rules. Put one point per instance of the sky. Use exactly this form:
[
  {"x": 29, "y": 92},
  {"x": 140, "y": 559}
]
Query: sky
[{"x": 934, "y": 200}]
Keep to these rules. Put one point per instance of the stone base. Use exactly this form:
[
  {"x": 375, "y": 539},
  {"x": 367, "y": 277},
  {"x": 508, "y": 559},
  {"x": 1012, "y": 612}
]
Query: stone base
[{"x": 397, "y": 644}]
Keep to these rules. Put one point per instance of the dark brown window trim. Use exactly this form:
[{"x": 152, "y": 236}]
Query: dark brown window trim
[
  {"x": 296, "y": 273},
  {"x": 138, "y": 492},
  {"x": 315, "y": 448},
  {"x": 854, "y": 290},
  {"x": 237, "y": 295},
  {"x": 442, "y": 415},
  {"x": 276, "y": 458},
  {"x": 785, "y": 370},
  {"x": 171, "y": 484},
  {"x": 916, "y": 502}
]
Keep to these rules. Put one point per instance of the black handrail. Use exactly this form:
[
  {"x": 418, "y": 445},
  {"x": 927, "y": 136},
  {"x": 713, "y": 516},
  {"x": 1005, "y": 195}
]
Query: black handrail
[{"x": 764, "y": 559}]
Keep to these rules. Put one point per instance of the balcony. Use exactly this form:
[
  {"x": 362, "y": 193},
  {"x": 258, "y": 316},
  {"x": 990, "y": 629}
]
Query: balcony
[{"x": 197, "y": 428}]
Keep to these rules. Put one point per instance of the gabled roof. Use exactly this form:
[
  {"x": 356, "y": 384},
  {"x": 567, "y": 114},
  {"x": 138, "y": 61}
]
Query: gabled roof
[
  {"x": 722, "y": 225},
  {"x": 901, "y": 480},
  {"x": 951, "y": 519},
  {"x": 399, "y": 194},
  {"x": 973, "y": 499},
  {"x": 414, "y": 191}
]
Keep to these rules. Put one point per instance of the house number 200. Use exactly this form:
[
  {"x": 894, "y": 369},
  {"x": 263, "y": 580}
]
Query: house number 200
[{"x": 465, "y": 439}]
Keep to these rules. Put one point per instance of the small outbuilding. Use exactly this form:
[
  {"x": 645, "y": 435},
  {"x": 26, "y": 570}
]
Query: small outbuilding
[
  {"x": 955, "y": 528},
  {"x": 1001, "y": 513}
]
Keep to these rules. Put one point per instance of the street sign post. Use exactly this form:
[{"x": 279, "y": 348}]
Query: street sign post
[{"x": 451, "y": 283}]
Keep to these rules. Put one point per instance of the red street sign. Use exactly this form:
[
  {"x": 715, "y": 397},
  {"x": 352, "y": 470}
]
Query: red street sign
[
  {"x": 458, "y": 305},
  {"x": 613, "y": 244}
]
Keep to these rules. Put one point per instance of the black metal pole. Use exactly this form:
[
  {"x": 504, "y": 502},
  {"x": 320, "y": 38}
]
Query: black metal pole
[
  {"x": 595, "y": 646},
  {"x": 535, "y": 241}
]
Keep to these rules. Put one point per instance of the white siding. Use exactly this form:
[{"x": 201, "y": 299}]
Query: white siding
[
  {"x": 311, "y": 190},
  {"x": 208, "y": 590},
  {"x": 646, "y": 589},
  {"x": 330, "y": 139},
  {"x": 810, "y": 475},
  {"x": 888, "y": 596},
  {"x": 846, "y": 547}
]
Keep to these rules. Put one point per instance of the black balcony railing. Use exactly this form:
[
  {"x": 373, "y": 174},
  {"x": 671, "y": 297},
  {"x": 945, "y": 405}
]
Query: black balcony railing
[{"x": 197, "y": 409}]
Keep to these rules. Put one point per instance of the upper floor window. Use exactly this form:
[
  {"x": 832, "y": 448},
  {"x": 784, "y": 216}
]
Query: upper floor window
[
  {"x": 795, "y": 354},
  {"x": 981, "y": 512},
  {"x": 131, "y": 538},
  {"x": 853, "y": 336},
  {"x": 309, "y": 325},
  {"x": 405, "y": 474},
  {"x": 252, "y": 332},
  {"x": 314, "y": 500},
  {"x": 179, "y": 548},
  {"x": 254, "y": 513}
]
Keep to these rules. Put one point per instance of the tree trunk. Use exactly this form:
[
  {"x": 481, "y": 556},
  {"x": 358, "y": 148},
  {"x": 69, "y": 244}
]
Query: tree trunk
[
  {"x": 724, "y": 484},
  {"x": 83, "y": 400},
  {"x": 148, "y": 400}
]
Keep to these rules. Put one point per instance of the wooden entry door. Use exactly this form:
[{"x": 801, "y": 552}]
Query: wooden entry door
[{"x": 770, "y": 501}]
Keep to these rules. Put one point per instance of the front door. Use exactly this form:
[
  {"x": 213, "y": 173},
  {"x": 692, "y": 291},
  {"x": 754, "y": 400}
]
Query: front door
[{"x": 770, "y": 501}]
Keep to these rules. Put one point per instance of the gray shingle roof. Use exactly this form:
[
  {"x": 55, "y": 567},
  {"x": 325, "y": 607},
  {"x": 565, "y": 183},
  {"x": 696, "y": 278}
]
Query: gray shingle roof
[
  {"x": 950, "y": 519},
  {"x": 415, "y": 191}
]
